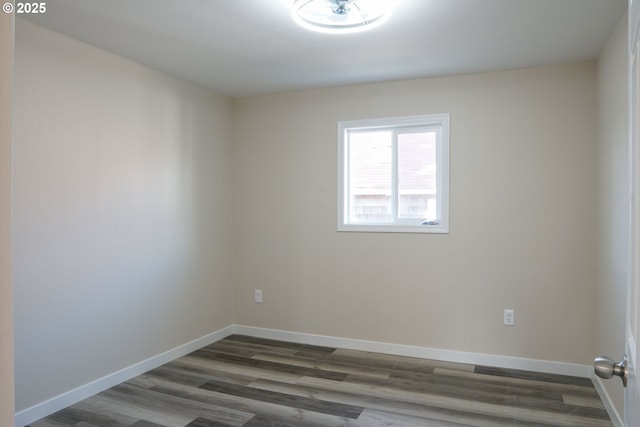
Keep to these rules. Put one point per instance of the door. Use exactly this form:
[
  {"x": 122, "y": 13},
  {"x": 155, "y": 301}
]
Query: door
[
  {"x": 604, "y": 366},
  {"x": 632, "y": 391}
]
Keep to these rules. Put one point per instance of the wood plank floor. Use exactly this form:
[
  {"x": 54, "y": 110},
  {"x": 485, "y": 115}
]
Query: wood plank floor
[{"x": 244, "y": 381}]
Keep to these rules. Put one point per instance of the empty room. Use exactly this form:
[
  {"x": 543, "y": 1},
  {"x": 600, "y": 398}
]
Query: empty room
[{"x": 319, "y": 213}]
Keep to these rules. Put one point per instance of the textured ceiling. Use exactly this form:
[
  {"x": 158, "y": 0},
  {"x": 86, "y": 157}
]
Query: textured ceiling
[{"x": 249, "y": 47}]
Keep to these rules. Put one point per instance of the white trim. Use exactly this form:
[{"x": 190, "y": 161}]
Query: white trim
[
  {"x": 615, "y": 416},
  {"x": 397, "y": 228},
  {"x": 68, "y": 398},
  {"x": 509, "y": 362}
]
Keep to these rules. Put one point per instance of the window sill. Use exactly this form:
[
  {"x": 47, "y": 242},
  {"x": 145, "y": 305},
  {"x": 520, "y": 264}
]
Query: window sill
[{"x": 385, "y": 228}]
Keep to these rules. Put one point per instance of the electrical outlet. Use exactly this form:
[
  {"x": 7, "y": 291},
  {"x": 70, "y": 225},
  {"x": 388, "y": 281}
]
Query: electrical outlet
[
  {"x": 257, "y": 296},
  {"x": 509, "y": 318}
]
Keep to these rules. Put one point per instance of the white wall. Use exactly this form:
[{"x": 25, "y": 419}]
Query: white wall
[
  {"x": 613, "y": 196},
  {"x": 523, "y": 148},
  {"x": 122, "y": 213},
  {"x": 6, "y": 305}
]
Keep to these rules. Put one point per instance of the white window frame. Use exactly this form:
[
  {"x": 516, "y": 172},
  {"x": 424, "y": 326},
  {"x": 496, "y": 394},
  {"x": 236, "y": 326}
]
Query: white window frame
[{"x": 438, "y": 121}]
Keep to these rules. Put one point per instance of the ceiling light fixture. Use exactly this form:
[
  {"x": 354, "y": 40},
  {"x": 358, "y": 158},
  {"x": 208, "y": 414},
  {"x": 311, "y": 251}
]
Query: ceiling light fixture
[{"x": 341, "y": 16}]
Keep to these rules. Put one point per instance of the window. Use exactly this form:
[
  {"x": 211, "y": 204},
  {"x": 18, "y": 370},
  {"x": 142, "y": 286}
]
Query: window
[{"x": 393, "y": 174}]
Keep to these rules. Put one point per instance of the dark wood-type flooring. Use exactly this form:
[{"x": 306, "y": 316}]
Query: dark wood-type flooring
[{"x": 244, "y": 381}]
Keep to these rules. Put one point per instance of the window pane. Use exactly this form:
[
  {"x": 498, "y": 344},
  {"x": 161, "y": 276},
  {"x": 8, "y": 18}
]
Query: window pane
[
  {"x": 370, "y": 176},
  {"x": 417, "y": 175}
]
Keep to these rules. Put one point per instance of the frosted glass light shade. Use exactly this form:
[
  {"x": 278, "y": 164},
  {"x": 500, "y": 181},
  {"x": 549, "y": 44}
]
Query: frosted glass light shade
[{"x": 341, "y": 16}]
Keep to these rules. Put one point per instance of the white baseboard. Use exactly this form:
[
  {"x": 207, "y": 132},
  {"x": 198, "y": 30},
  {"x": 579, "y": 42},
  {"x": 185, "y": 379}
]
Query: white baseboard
[
  {"x": 64, "y": 400},
  {"x": 509, "y": 362},
  {"x": 57, "y": 403},
  {"x": 616, "y": 417}
]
